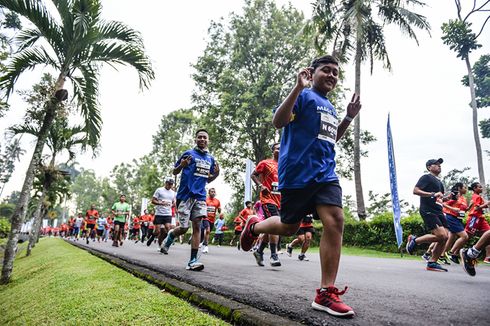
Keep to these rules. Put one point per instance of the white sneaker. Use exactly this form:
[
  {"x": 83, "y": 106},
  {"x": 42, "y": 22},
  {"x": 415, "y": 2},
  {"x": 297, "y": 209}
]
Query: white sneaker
[
  {"x": 205, "y": 249},
  {"x": 195, "y": 265}
]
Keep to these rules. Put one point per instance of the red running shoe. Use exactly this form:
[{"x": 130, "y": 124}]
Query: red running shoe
[
  {"x": 329, "y": 301},
  {"x": 247, "y": 238}
]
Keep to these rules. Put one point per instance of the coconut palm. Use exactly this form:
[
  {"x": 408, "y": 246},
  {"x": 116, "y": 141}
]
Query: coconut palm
[
  {"x": 71, "y": 38},
  {"x": 459, "y": 36},
  {"x": 61, "y": 137},
  {"x": 355, "y": 27}
]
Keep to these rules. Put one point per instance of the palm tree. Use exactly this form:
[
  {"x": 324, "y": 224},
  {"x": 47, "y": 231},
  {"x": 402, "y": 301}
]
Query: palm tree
[
  {"x": 460, "y": 38},
  {"x": 60, "y": 137},
  {"x": 351, "y": 28},
  {"x": 71, "y": 38}
]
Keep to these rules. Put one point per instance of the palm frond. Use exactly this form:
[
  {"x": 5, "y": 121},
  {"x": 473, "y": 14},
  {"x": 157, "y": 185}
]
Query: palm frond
[
  {"x": 27, "y": 38},
  {"x": 25, "y": 60},
  {"x": 64, "y": 10},
  {"x": 126, "y": 54},
  {"x": 36, "y": 12},
  {"x": 374, "y": 44},
  {"x": 24, "y": 129},
  {"x": 114, "y": 30},
  {"x": 86, "y": 94},
  {"x": 404, "y": 18}
]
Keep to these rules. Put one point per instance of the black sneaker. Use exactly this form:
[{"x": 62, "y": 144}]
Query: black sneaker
[
  {"x": 259, "y": 258},
  {"x": 454, "y": 258},
  {"x": 443, "y": 260},
  {"x": 435, "y": 267},
  {"x": 289, "y": 250},
  {"x": 467, "y": 262}
]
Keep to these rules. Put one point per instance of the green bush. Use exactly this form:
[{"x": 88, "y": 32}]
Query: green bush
[
  {"x": 377, "y": 234},
  {"x": 4, "y": 227}
]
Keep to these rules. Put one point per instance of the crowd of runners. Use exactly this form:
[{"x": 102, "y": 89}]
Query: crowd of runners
[{"x": 297, "y": 185}]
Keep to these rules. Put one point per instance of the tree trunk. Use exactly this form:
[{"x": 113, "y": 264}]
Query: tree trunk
[
  {"x": 21, "y": 207},
  {"x": 476, "y": 135},
  {"x": 361, "y": 208},
  {"x": 36, "y": 224},
  {"x": 44, "y": 212}
]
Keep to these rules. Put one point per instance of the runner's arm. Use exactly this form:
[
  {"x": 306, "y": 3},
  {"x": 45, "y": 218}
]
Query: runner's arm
[
  {"x": 282, "y": 116},
  {"x": 352, "y": 110},
  {"x": 216, "y": 173},
  {"x": 419, "y": 192}
]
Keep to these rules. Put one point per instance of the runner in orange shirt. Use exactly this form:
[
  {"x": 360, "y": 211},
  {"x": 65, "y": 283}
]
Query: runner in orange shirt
[
  {"x": 145, "y": 223},
  {"x": 91, "y": 217},
  {"x": 135, "y": 231},
  {"x": 240, "y": 222},
  {"x": 304, "y": 236},
  {"x": 266, "y": 179},
  {"x": 213, "y": 207}
]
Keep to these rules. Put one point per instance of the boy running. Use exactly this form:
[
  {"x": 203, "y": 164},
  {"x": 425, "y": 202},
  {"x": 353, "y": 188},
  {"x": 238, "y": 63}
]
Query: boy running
[
  {"x": 431, "y": 191},
  {"x": 198, "y": 167},
  {"x": 307, "y": 178}
]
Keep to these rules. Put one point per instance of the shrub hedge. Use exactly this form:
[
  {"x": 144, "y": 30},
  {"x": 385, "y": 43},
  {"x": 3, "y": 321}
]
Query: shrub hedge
[{"x": 377, "y": 234}]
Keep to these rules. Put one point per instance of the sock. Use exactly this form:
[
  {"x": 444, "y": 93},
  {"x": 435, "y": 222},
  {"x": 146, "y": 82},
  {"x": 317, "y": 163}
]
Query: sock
[
  {"x": 273, "y": 247},
  {"x": 252, "y": 228},
  {"x": 194, "y": 253},
  {"x": 262, "y": 247},
  {"x": 473, "y": 252}
]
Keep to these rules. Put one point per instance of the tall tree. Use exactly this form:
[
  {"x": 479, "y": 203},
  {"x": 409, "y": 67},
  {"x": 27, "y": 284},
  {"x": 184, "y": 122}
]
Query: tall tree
[
  {"x": 246, "y": 70},
  {"x": 175, "y": 134},
  {"x": 352, "y": 29},
  {"x": 459, "y": 36},
  {"x": 8, "y": 21},
  {"x": 70, "y": 37},
  {"x": 10, "y": 154},
  {"x": 61, "y": 137},
  {"x": 481, "y": 74}
]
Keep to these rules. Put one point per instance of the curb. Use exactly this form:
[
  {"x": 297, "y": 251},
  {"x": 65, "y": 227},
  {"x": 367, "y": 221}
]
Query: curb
[{"x": 227, "y": 309}]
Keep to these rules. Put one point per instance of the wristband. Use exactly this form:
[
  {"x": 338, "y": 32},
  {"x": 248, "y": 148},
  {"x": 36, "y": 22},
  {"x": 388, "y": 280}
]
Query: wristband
[
  {"x": 348, "y": 118},
  {"x": 432, "y": 194}
]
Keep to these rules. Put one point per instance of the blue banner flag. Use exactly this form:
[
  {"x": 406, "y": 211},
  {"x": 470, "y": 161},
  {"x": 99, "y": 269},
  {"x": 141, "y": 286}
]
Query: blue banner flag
[{"x": 394, "y": 187}]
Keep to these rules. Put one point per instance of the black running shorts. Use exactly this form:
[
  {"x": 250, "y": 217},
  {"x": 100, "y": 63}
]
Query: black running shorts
[
  {"x": 433, "y": 219},
  {"x": 297, "y": 203}
]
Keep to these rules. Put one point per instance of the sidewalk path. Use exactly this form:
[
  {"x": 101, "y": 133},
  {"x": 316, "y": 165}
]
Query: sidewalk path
[{"x": 381, "y": 291}]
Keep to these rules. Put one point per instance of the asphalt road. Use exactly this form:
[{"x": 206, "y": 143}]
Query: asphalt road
[{"x": 381, "y": 291}]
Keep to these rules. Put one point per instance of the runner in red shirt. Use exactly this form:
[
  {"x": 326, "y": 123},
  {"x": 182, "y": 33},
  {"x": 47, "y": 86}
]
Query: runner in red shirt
[
  {"x": 135, "y": 231},
  {"x": 265, "y": 177},
  {"x": 207, "y": 225},
  {"x": 477, "y": 225},
  {"x": 91, "y": 217},
  {"x": 240, "y": 222},
  {"x": 304, "y": 236},
  {"x": 151, "y": 226}
]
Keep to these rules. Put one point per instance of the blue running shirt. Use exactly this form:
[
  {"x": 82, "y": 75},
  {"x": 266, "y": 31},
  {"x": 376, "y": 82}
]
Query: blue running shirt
[
  {"x": 195, "y": 175},
  {"x": 307, "y": 152}
]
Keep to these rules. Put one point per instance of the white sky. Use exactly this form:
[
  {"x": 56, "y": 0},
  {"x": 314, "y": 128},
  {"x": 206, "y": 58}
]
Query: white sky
[{"x": 430, "y": 115}]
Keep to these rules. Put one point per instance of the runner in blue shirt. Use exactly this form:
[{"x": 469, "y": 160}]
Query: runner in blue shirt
[
  {"x": 307, "y": 178},
  {"x": 198, "y": 167}
]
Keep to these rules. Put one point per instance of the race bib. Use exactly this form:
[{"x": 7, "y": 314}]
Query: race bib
[
  {"x": 202, "y": 168},
  {"x": 328, "y": 128},
  {"x": 166, "y": 203},
  {"x": 211, "y": 209},
  {"x": 274, "y": 189}
]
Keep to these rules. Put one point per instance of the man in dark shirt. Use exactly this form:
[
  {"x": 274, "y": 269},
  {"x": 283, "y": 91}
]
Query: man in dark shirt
[{"x": 431, "y": 192}]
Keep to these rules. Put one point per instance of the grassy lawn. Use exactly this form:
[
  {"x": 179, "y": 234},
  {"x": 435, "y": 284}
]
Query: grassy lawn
[
  {"x": 355, "y": 251},
  {"x": 60, "y": 284}
]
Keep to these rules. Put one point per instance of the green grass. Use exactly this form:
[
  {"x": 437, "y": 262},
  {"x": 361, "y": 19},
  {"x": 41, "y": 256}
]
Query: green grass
[
  {"x": 355, "y": 251},
  {"x": 62, "y": 285}
]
